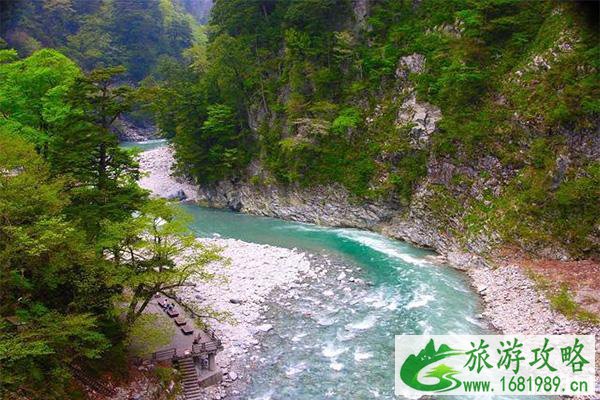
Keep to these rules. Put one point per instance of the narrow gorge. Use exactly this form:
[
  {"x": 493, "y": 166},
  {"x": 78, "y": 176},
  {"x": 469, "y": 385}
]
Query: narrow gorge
[{"x": 299, "y": 200}]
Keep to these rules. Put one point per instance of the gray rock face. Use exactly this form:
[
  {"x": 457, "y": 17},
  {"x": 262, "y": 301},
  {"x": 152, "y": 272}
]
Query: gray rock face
[
  {"x": 361, "y": 10},
  {"x": 334, "y": 206},
  {"x": 414, "y": 63},
  {"x": 418, "y": 223},
  {"x": 179, "y": 195},
  {"x": 127, "y": 131},
  {"x": 421, "y": 116},
  {"x": 330, "y": 205}
]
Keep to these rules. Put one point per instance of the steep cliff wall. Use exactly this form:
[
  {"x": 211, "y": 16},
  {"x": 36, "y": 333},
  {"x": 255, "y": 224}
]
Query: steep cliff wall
[
  {"x": 441, "y": 204},
  {"x": 471, "y": 126}
]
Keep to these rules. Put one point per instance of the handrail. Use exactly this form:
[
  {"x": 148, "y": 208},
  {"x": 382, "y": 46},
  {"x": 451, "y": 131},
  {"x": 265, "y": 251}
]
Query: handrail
[{"x": 164, "y": 354}]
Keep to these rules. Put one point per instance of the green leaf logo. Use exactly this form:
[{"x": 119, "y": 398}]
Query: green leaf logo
[{"x": 413, "y": 365}]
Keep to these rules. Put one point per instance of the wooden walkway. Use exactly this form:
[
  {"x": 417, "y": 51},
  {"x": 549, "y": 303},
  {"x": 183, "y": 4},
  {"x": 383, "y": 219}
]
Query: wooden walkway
[
  {"x": 189, "y": 341},
  {"x": 188, "y": 347}
]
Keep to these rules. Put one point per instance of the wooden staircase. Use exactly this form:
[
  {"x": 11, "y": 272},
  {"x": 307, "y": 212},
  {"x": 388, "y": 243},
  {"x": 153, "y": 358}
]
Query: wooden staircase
[
  {"x": 189, "y": 381},
  {"x": 92, "y": 383}
]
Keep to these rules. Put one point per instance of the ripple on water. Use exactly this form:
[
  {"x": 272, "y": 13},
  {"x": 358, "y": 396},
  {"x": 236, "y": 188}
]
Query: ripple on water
[
  {"x": 331, "y": 350},
  {"x": 330, "y": 342},
  {"x": 325, "y": 320},
  {"x": 361, "y": 355},
  {"x": 297, "y": 337},
  {"x": 344, "y": 335},
  {"x": 268, "y": 395},
  {"x": 422, "y": 297},
  {"x": 364, "y": 324},
  {"x": 426, "y": 328},
  {"x": 295, "y": 369},
  {"x": 382, "y": 245},
  {"x": 336, "y": 366}
]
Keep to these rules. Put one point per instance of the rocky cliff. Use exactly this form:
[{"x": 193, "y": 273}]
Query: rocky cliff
[
  {"x": 434, "y": 217},
  {"x": 457, "y": 126}
]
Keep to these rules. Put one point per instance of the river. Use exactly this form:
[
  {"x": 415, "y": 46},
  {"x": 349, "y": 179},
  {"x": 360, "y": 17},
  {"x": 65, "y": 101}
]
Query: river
[
  {"x": 335, "y": 339},
  {"x": 144, "y": 145}
]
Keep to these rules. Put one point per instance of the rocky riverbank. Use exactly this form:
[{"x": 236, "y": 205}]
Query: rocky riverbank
[
  {"x": 248, "y": 274},
  {"x": 512, "y": 303},
  {"x": 251, "y": 272},
  {"x": 333, "y": 206},
  {"x": 156, "y": 166}
]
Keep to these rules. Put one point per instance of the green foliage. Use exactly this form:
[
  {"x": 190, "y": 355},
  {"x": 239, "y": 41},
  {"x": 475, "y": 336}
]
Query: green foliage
[
  {"x": 32, "y": 92},
  {"x": 214, "y": 152},
  {"x": 149, "y": 333},
  {"x": 511, "y": 78},
  {"x": 155, "y": 252},
  {"x": 77, "y": 235},
  {"x": 104, "y": 175},
  {"x": 100, "y": 33},
  {"x": 68, "y": 116},
  {"x": 563, "y": 302},
  {"x": 51, "y": 280},
  {"x": 537, "y": 212},
  {"x": 347, "y": 119},
  {"x": 411, "y": 168}
]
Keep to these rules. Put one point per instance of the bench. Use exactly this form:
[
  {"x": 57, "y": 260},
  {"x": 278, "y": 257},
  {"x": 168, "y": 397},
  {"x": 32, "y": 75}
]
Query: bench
[
  {"x": 172, "y": 313},
  {"x": 179, "y": 321},
  {"x": 187, "y": 330}
]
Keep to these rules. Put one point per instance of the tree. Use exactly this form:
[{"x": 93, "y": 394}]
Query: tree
[
  {"x": 218, "y": 150},
  {"x": 32, "y": 93},
  {"x": 52, "y": 283},
  {"x": 85, "y": 148},
  {"x": 136, "y": 27},
  {"x": 154, "y": 253},
  {"x": 69, "y": 116}
]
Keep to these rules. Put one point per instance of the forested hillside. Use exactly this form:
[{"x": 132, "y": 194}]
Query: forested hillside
[
  {"x": 468, "y": 126},
  {"x": 82, "y": 248},
  {"x": 484, "y": 113},
  {"x": 135, "y": 34}
]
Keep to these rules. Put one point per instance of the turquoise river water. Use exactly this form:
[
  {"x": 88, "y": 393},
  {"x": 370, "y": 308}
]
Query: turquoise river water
[
  {"x": 144, "y": 145},
  {"x": 334, "y": 339},
  {"x": 341, "y": 345}
]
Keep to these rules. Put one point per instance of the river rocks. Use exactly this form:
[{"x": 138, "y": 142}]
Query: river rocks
[
  {"x": 264, "y": 327},
  {"x": 251, "y": 273},
  {"x": 464, "y": 261},
  {"x": 157, "y": 166},
  {"x": 513, "y": 304}
]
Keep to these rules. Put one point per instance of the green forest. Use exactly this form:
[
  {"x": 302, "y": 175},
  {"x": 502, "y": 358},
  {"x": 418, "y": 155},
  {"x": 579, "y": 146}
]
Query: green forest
[
  {"x": 82, "y": 247},
  {"x": 308, "y": 89},
  {"x": 313, "y": 93}
]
